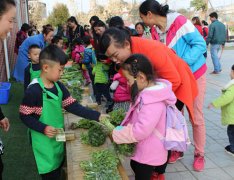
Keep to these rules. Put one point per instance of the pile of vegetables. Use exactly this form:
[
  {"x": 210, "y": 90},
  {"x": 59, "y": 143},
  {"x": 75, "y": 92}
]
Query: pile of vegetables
[
  {"x": 102, "y": 166},
  {"x": 72, "y": 79},
  {"x": 96, "y": 134}
]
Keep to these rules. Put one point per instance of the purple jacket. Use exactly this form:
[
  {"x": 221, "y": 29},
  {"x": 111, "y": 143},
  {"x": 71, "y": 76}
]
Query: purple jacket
[
  {"x": 146, "y": 115},
  {"x": 122, "y": 92}
]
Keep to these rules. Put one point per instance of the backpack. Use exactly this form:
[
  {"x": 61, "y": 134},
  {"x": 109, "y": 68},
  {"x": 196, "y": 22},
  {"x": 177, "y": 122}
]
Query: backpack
[{"x": 176, "y": 137}]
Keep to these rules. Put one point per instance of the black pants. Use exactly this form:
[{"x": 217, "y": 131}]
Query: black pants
[
  {"x": 1, "y": 167},
  {"x": 144, "y": 171},
  {"x": 92, "y": 79},
  {"x": 102, "y": 89},
  {"x": 230, "y": 133}
]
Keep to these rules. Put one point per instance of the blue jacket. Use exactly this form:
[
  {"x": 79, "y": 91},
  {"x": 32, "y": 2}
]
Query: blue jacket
[
  {"x": 22, "y": 59},
  {"x": 183, "y": 37},
  {"x": 89, "y": 57}
]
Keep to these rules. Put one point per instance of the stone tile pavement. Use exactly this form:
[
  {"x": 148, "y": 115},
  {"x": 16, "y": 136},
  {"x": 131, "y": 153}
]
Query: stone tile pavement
[{"x": 219, "y": 164}]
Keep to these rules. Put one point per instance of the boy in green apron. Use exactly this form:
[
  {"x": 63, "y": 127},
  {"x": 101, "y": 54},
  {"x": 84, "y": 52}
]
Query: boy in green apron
[
  {"x": 33, "y": 70},
  {"x": 41, "y": 111}
]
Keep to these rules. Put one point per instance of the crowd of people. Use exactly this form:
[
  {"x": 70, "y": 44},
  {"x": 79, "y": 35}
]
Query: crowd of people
[{"x": 162, "y": 62}]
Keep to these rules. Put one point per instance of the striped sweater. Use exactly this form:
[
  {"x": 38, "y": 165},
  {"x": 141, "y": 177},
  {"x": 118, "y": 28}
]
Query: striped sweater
[{"x": 183, "y": 37}]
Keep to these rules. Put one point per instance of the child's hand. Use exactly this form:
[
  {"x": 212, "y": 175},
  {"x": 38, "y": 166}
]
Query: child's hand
[
  {"x": 4, "y": 124},
  {"x": 50, "y": 131},
  {"x": 210, "y": 106}
]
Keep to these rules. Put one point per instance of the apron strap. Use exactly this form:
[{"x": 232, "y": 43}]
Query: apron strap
[{"x": 48, "y": 92}]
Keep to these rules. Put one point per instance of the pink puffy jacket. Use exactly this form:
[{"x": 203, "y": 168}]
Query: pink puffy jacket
[
  {"x": 147, "y": 114},
  {"x": 122, "y": 92}
]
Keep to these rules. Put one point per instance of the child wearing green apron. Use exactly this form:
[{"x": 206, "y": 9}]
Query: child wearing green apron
[
  {"x": 41, "y": 112},
  {"x": 33, "y": 70}
]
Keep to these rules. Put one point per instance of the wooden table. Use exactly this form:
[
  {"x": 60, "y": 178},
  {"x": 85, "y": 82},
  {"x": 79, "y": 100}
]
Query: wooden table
[{"x": 77, "y": 152}]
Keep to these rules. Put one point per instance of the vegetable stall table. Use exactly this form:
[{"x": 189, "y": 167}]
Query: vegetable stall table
[{"x": 77, "y": 152}]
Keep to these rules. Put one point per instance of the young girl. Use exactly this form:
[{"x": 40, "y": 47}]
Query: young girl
[
  {"x": 226, "y": 102},
  {"x": 147, "y": 113},
  {"x": 121, "y": 90},
  {"x": 77, "y": 56}
]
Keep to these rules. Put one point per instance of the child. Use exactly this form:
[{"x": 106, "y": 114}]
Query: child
[
  {"x": 58, "y": 41},
  {"x": 89, "y": 59},
  {"x": 100, "y": 72},
  {"x": 147, "y": 113},
  {"x": 33, "y": 69},
  {"x": 77, "y": 50},
  {"x": 121, "y": 92},
  {"x": 226, "y": 102},
  {"x": 41, "y": 112}
]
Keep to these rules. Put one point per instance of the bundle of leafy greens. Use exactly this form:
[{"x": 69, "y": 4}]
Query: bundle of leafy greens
[
  {"x": 102, "y": 166},
  {"x": 121, "y": 149},
  {"x": 117, "y": 116}
]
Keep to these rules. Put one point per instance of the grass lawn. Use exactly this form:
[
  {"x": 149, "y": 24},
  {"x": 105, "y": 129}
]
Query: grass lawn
[{"x": 18, "y": 159}]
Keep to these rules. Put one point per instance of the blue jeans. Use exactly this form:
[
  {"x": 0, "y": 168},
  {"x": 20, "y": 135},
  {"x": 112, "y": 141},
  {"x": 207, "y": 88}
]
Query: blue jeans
[
  {"x": 230, "y": 133},
  {"x": 214, "y": 49}
]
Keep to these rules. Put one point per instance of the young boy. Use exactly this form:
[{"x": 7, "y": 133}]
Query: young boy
[
  {"x": 89, "y": 59},
  {"x": 58, "y": 41},
  {"x": 33, "y": 69},
  {"x": 41, "y": 112}
]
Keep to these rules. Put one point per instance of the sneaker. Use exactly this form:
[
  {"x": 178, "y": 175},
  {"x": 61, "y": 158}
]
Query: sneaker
[
  {"x": 175, "y": 156},
  {"x": 156, "y": 176},
  {"x": 228, "y": 150},
  {"x": 199, "y": 163}
]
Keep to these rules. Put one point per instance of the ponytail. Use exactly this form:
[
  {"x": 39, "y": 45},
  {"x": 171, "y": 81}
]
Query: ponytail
[{"x": 154, "y": 7}]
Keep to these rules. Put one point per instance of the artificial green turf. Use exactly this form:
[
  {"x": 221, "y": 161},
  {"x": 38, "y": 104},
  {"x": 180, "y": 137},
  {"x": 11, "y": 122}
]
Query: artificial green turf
[{"x": 18, "y": 159}]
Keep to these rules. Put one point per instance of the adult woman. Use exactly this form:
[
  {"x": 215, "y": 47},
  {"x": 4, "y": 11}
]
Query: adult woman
[
  {"x": 142, "y": 31},
  {"x": 197, "y": 23},
  {"x": 178, "y": 33},
  {"x": 21, "y": 35},
  {"x": 75, "y": 30},
  {"x": 22, "y": 59},
  {"x": 63, "y": 32},
  {"x": 118, "y": 45},
  {"x": 7, "y": 18}
]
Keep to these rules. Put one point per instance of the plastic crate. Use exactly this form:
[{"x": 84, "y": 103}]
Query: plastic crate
[{"x": 4, "y": 92}]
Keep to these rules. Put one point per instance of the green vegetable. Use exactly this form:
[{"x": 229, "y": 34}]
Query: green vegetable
[
  {"x": 117, "y": 116},
  {"x": 84, "y": 138},
  {"x": 83, "y": 123},
  {"x": 125, "y": 149},
  {"x": 102, "y": 166},
  {"x": 122, "y": 149},
  {"x": 108, "y": 125},
  {"x": 97, "y": 136}
]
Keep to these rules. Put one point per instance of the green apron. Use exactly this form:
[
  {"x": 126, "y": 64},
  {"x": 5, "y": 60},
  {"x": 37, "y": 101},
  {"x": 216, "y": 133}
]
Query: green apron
[
  {"x": 34, "y": 74},
  {"x": 49, "y": 153}
]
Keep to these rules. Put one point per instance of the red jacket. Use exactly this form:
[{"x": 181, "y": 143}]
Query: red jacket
[
  {"x": 122, "y": 92},
  {"x": 170, "y": 67}
]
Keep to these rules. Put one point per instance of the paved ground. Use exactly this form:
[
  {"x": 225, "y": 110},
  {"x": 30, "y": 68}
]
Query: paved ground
[
  {"x": 19, "y": 162},
  {"x": 219, "y": 164}
]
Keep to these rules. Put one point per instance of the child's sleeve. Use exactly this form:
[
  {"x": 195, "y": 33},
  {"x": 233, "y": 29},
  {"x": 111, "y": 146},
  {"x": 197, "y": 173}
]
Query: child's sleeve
[
  {"x": 105, "y": 67},
  {"x": 145, "y": 125},
  {"x": 30, "y": 112},
  {"x": 225, "y": 98},
  {"x": 26, "y": 77},
  {"x": 71, "y": 105}
]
